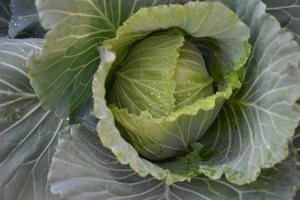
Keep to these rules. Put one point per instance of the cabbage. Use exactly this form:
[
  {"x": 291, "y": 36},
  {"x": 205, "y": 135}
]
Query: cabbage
[{"x": 140, "y": 99}]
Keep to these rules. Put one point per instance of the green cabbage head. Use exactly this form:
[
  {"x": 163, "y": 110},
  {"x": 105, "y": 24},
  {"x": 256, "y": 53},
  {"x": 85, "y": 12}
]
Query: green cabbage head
[
  {"x": 172, "y": 94},
  {"x": 166, "y": 75},
  {"x": 162, "y": 83}
]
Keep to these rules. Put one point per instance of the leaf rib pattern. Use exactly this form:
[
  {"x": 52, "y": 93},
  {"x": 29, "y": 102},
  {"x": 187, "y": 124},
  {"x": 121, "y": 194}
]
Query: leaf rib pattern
[{"x": 28, "y": 134}]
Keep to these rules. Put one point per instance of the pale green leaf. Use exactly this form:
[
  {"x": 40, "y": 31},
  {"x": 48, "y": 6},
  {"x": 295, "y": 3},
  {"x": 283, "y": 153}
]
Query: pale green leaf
[
  {"x": 193, "y": 82},
  {"x": 146, "y": 79}
]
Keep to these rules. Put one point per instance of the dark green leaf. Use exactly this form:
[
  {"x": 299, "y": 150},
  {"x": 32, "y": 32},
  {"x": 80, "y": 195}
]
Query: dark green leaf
[
  {"x": 4, "y": 17},
  {"x": 83, "y": 169},
  {"x": 85, "y": 117},
  {"x": 287, "y": 13},
  {"x": 27, "y": 132},
  {"x": 24, "y": 20}
]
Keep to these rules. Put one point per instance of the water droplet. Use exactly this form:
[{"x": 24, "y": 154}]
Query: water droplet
[
  {"x": 151, "y": 93},
  {"x": 68, "y": 119}
]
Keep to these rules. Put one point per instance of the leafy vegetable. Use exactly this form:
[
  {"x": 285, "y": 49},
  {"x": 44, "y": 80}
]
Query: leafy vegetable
[
  {"x": 141, "y": 99},
  {"x": 246, "y": 111}
]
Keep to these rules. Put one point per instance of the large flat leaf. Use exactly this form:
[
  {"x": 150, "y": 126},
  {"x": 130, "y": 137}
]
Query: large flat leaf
[
  {"x": 61, "y": 74},
  {"x": 27, "y": 132},
  {"x": 24, "y": 20},
  {"x": 254, "y": 127},
  {"x": 83, "y": 169},
  {"x": 4, "y": 17},
  {"x": 287, "y": 13}
]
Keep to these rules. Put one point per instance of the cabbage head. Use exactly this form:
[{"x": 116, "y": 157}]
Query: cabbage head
[{"x": 151, "y": 100}]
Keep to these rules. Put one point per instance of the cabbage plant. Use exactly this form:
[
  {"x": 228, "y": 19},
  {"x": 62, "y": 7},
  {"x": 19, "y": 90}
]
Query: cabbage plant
[{"x": 149, "y": 100}]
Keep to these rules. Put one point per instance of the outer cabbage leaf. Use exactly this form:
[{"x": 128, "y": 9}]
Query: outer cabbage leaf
[
  {"x": 27, "y": 132},
  {"x": 287, "y": 13},
  {"x": 254, "y": 127},
  {"x": 24, "y": 20},
  {"x": 62, "y": 73},
  {"x": 83, "y": 169},
  {"x": 4, "y": 17},
  {"x": 180, "y": 127}
]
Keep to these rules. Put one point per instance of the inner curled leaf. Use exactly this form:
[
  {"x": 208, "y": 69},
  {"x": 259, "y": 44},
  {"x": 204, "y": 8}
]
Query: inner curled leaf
[
  {"x": 192, "y": 79},
  {"x": 161, "y": 73}
]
